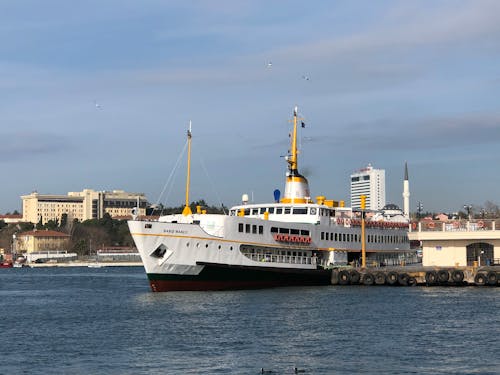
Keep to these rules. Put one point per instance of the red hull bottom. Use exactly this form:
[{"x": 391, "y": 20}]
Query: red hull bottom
[{"x": 171, "y": 286}]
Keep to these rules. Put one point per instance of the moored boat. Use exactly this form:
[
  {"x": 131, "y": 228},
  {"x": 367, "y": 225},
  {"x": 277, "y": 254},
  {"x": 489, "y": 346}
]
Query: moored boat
[{"x": 293, "y": 241}]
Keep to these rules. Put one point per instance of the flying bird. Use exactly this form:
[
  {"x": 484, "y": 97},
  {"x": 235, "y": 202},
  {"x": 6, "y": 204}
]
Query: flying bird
[
  {"x": 269, "y": 64},
  {"x": 305, "y": 78},
  {"x": 97, "y": 105}
]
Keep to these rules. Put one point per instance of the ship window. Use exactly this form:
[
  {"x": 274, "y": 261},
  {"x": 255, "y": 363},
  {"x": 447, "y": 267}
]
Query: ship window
[
  {"x": 271, "y": 210},
  {"x": 206, "y": 245},
  {"x": 287, "y": 210},
  {"x": 343, "y": 237},
  {"x": 279, "y": 210},
  {"x": 304, "y": 232},
  {"x": 274, "y": 230},
  {"x": 294, "y": 231},
  {"x": 261, "y": 229},
  {"x": 300, "y": 211},
  {"x": 254, "y": 229},
  {"x": 218, "y": 247},
  {"x": 322, "y": 235},
  {"x": 255, "y": 211},
  {"x": 284, "y": 230},
  {"x": 148, "y": 226},
  {"x": 327, "y": 236},
  {"x": 247, "y": 228},
  {"x": 247, "y": 211},
  {"x": 240, "y": 227}
]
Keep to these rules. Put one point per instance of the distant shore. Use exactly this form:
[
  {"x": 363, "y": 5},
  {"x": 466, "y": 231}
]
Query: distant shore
[{"x": 86, "y": 264}]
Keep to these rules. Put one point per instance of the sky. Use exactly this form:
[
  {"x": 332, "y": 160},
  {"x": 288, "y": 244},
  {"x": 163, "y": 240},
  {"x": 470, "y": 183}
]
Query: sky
[{"x": 99, "y": 95}]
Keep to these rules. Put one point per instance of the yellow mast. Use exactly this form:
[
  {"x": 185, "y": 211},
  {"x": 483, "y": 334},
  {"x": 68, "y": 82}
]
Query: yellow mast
[
  {"x": 187, "y": 210},
  {"x": 363, "y": 236},
  {"x": 293, "y": 156}
]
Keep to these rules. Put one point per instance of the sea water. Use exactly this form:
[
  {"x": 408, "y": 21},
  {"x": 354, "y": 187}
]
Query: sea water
[{"x": 107, "y": 321}]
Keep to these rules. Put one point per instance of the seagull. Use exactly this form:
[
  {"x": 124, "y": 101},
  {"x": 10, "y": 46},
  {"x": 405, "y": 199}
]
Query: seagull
[
  {"x": 298, "y": 371},
  {"x": 97, "y": 105},
  {"x": 305, "y": 77},
  {"x": 269, "y": 64}
]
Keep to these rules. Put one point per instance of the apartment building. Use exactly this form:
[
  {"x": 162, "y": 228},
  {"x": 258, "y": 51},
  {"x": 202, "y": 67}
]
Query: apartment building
[
  {"x": 84, "y": 205},
  {"x": 370, "y": 182}
]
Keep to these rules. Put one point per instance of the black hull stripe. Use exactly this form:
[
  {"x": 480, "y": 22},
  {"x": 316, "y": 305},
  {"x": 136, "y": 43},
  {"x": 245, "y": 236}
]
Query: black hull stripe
[{"x": 225, "y": 277}]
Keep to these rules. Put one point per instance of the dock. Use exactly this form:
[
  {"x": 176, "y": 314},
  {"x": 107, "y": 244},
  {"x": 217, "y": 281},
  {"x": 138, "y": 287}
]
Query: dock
[{"x": 417, "y": 276}]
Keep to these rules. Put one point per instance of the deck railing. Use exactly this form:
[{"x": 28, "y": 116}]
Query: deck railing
[
  {"x": 290, "y": 259},
  {"x": 454, "y": 225}
]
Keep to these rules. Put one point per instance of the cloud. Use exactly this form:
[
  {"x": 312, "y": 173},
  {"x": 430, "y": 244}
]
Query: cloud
[
  {"x": 424, "y": 134},
  {"x": 20, "y": 146}
]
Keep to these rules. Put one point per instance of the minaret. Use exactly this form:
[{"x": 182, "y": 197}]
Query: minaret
[{"x": 406, "y": 194}]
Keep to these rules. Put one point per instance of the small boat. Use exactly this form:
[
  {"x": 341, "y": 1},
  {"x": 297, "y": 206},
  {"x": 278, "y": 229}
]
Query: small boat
[
  {"x": 6, "y": 264},
  {"x": 291, "y": 241}
]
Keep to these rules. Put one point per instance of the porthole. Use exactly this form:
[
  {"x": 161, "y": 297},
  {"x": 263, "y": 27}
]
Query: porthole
[
  {"x": 206, "y": 246},
  {"x": 187, "y": 245},
  {"x": 198, "y": 244},
  {"x": 231, "y": 248},
  {"x": 313, "y": 211},
  {"x": 219, "y": 247}
]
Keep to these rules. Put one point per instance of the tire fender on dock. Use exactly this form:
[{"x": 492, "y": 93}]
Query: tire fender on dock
[
  {"x": 431, "y": 277},
  {"x": 380, "y": 278},
  {"x": 480, "y": 279},
  {"x": 344, "y": 277},
  {"x": 492, "y": 278},
  {"x": 368, "y": 279},
  {"x": 457, "y": 276},
  {"x": 403, "y": 279},
  {"x": 355, "y": 277},
  {"x": 392, "y": 278},
  {"x": 412, "y": 281},
  {"x": 443, "y": 276}
]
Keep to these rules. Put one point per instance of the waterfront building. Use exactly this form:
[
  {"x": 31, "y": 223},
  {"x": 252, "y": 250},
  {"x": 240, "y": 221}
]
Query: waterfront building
[
  {"x": 370, "y": 182},
  {"x": 11, "y": 218},
  {"x": 85, "y": 205},
  {"x": 457, "y": 243},
  {"x": 41, "y": 240}
]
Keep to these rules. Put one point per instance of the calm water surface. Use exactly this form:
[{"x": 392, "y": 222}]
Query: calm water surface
[{"x": 106, "y": 321}]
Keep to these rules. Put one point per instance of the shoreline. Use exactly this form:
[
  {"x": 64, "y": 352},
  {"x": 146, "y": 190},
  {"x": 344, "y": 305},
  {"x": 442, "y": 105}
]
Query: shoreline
[{"x": 85, "y": 264}]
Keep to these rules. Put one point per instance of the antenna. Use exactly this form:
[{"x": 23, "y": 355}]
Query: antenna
[{"x": 187, "y": 210}]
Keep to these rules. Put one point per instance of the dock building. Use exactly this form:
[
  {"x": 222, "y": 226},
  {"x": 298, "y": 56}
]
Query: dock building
[
  {"x": 85, "y": 205},
  {"x": 458, "y": 243},
  {"x": 369, "y": 182}
]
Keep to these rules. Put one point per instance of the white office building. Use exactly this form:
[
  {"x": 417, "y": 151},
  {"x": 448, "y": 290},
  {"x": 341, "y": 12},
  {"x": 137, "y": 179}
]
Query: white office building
[{"x": 370, "y": 182}]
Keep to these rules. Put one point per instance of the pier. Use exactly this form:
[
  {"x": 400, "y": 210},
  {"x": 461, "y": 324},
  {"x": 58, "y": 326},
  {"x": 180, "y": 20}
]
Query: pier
[{"x": 414, "y": 275}]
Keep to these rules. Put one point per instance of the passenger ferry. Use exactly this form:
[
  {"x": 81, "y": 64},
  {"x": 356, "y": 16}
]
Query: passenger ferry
[{"x": 292, "y": 241}]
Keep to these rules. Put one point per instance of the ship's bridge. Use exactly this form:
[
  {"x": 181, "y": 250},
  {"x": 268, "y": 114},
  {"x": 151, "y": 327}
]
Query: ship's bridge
[{"x": 307, "y": 213}]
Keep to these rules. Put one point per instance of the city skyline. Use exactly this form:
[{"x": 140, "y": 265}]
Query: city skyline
[{"x": 100, "y": 95}]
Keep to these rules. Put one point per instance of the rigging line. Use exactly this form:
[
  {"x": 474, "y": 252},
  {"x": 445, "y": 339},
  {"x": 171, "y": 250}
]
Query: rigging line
[
  {"x": 171, "y": 175},
  {"x": 212, "y": 185}
]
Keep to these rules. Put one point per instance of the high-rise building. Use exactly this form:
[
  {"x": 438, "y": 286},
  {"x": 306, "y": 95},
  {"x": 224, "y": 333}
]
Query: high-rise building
[
  {"x": 371, "y": 183},
  {"x": 82, "y": 205}
]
